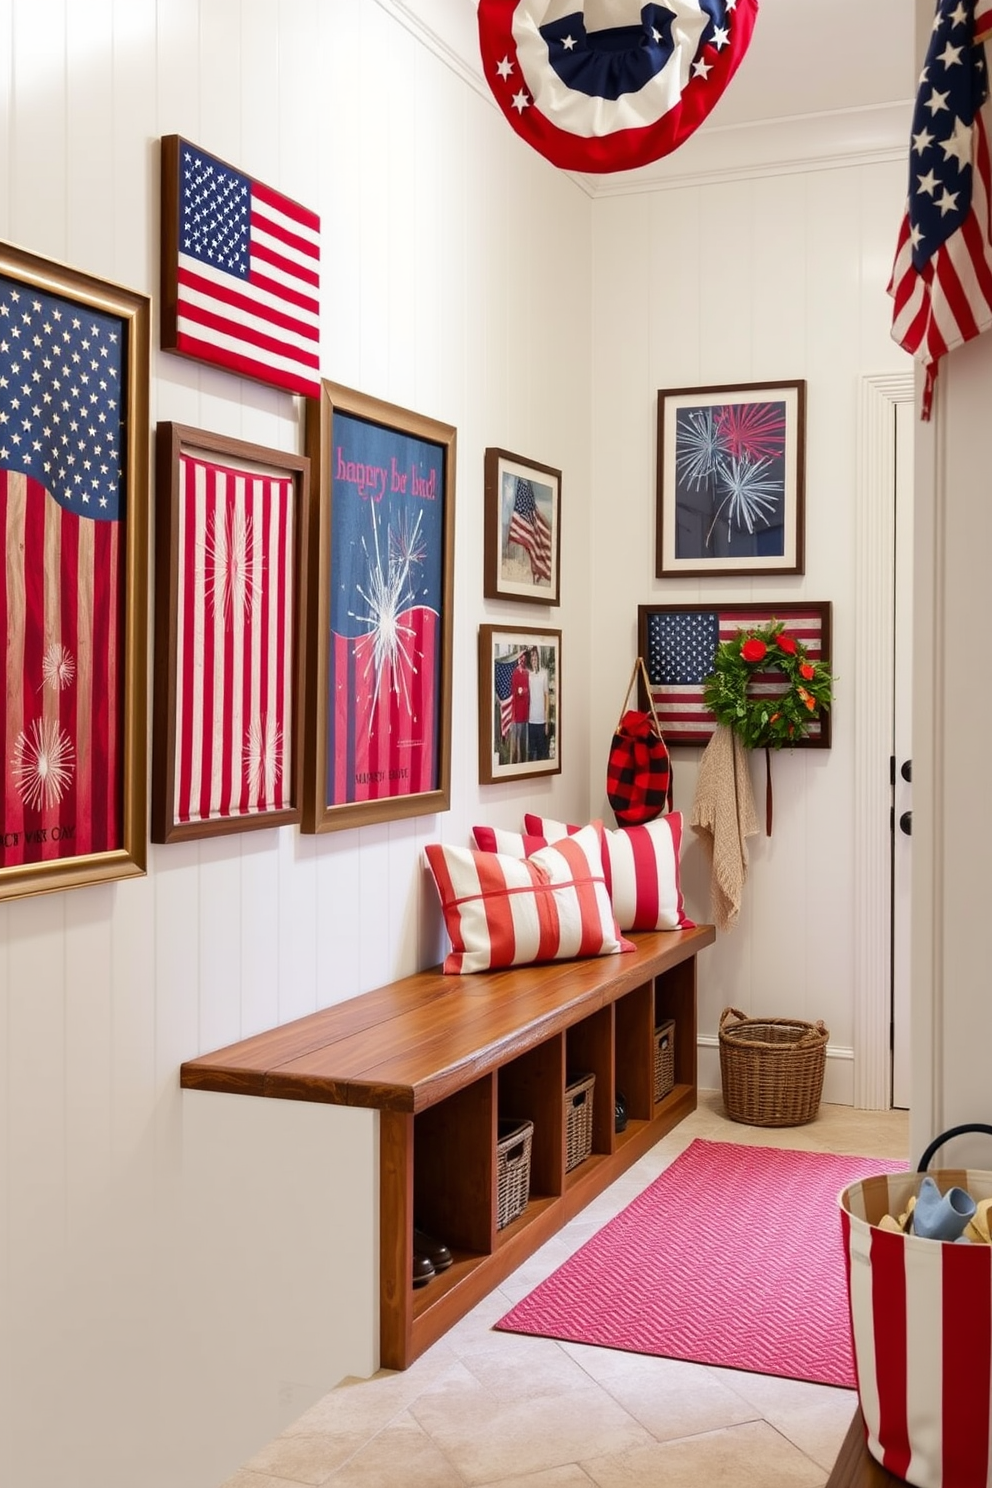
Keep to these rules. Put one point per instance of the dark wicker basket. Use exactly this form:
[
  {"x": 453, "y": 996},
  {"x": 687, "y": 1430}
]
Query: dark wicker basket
[
  {"x": 513, "y": 1143},
  {"x": 771, "y": 1068},
  {"x": 664, "y": 1059},
  {"x": 578, "y": 1119}
]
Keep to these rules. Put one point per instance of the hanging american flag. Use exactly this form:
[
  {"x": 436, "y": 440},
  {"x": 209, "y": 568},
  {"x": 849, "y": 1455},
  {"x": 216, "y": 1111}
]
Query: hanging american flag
[
  {"x": 530, "y": 529},
  {"x": 61, "y": 587},
  {"x": 234, "y": 642},
  {"x": 678, "y": 646},
  {"x": 941, "y": 280},
  {"x": 504, "y": 691},
  {"x": 240, "y": 271},
  {"x": 614, "y": 98}
]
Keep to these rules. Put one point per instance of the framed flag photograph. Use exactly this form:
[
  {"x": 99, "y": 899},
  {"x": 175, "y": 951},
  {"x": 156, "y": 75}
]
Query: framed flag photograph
[
  {"x": 522, "y": 555},
  {"x": 381, "y": 567},
  {"x": 678, "y": 644},
  {"x": 74, "y": 385},
  {"x": 731, "y": 480},
  {"x": 519, "y": 703},
  {"x": 240, "y": 271},
  {"x": 230, "y": 547}
]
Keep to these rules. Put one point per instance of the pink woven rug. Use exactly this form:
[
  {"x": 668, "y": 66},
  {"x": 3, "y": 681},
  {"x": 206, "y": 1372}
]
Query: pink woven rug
[{"x": 732, "y": 1257}]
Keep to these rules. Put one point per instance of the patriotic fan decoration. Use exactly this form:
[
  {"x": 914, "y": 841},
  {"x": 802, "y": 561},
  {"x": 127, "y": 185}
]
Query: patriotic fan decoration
[{"x": 615, "y": 97}]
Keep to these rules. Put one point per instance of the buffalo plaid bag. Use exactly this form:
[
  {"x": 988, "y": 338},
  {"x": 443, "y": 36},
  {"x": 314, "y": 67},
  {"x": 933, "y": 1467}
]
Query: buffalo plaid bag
[{"x": 639, "y": 771}]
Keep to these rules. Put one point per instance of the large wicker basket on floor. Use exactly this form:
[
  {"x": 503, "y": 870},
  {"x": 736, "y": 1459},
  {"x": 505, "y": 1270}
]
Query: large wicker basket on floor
[{"x": 771, "y": 1068}]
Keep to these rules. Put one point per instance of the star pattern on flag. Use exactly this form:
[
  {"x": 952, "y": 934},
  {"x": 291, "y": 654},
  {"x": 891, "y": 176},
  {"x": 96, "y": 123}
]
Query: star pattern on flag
[
  {"x": 60, "y": 416},
  {"x": 215, "y": 214},
  {"x": 681, "y": 646}
]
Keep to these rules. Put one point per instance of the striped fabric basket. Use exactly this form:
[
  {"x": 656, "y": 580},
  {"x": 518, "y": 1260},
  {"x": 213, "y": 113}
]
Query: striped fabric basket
[{"x": 921, "y": 1325}]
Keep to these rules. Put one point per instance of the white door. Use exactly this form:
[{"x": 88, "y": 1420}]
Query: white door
[{"x": 902, "y": 794}]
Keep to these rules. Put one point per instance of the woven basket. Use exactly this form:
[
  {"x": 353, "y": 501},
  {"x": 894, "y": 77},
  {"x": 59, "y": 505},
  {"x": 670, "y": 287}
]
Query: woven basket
[
  {"x": 578, "y": 1119},
  {"x": 664, "y": 1059},
  {"x": 513, "y": 1143},
  {"x": 771, "y": 1068}
]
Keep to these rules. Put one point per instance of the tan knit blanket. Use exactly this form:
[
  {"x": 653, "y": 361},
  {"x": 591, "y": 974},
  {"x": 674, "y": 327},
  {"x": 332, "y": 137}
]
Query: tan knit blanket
[{"x": 724, "y": 817}]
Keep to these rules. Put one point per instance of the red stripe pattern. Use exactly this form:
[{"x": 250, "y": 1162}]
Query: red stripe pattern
[
  {"x": 921, "y": 1325},
  {"x": 508, "y": 911},
  {"x": 234, "y": 717},
  {"x": 248, "y": 276},
  {"x": 941, "y": 281},
  {"x": 643, "y": 870}
]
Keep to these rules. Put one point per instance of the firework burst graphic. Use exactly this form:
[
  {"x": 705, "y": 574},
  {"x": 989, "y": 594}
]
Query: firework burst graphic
[
  {"x": 755, "y": 430},
  {"x": 43, "y": 764},
  {"x": 698, "y": 447},
  {"x": 750, "y": 496},
  {"x": 57, "y": 667},
  {"x": 230, "y": 569},
  {"x": 387, "y": 645},
  {"x": 263, "y": 757}
]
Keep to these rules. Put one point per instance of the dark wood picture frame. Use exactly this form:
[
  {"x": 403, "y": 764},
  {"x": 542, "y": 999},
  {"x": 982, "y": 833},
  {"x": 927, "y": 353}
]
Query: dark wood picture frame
[
  {"x": 74, "y": 389},
  {"x": 522, "y": 552},
  {"x": 508, "y": 750},
  {"x": 731, "y": 480},
  {"x": 381, "y": 589},
  {"x": 678, "y": 641},
  {"x": 230, "y": 600}
]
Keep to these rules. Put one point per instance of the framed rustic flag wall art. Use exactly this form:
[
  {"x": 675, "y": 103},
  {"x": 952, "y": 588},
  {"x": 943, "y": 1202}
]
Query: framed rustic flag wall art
[
  {"x": 731, "y": 480},
  {"x": 678, "y": 643},
  {"x": 240, "y": 271},
  {"x": 378, "y": 730},
  {"x": 74, "y": 354},
  {"x": 230, "y": 559},
  {"x": 522, "y": 529}
]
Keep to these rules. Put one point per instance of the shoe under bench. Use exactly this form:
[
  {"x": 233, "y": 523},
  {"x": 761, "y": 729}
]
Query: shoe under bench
[{"x": 442, "y": 1059}]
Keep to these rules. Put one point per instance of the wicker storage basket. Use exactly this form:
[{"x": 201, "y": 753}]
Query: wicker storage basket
[
  {"x": 664, "y": 1059},
  {"x": 578, "y": 1119},
  {"x": 513, "y": 1143},
  {"x": 771, "y": 1068}
]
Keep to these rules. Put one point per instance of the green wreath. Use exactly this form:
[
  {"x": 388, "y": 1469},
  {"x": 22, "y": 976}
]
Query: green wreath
[{"x": 764, "y": 721}]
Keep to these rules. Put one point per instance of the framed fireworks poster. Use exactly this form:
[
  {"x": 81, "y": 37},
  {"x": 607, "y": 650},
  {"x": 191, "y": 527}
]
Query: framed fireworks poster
[
  {"x": 731, "y": 480},
  {"x": 519, "y": 703},
  {"x": 522, "y": 558},
  {"x": 74, "y": 358},
  {"x": 230, "y": 548},
  {"x": 378, "y": 719}
]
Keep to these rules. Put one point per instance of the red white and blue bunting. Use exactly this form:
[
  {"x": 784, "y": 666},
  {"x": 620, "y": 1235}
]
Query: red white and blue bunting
[{"x": 621, "y": 95}]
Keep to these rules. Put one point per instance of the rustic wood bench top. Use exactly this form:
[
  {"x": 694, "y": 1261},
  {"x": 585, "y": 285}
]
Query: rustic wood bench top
[{"x": 407, "y": 1045}]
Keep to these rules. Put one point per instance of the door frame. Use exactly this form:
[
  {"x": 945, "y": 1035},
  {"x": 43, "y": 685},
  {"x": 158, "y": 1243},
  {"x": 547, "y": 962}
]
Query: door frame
[{"x": 874, "y": 683}]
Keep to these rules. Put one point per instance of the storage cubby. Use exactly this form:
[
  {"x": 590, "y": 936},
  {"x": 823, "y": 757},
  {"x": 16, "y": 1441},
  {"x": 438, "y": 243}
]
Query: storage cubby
[{"x": 442, "y": 1059}]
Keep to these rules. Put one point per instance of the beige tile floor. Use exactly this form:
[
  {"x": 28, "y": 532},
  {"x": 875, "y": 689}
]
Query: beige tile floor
[{"x": 507, "y": 1411}]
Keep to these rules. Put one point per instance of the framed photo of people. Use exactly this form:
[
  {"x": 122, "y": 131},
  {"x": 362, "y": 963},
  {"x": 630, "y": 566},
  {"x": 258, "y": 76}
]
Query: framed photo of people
[{"x": 519, "y": 703}]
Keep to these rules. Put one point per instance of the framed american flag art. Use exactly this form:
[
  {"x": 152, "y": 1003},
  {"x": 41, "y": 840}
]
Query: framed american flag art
[
  {"x": 231, "y": 525},
  {"x": 240, "y": 271},
  {"x": 731, "y": 480},
  {"x": 378, "y": 724},
  {"x": 74, "y": 360},
  {"x": 522, "y": 551},
  {"x": 678, "y": 643}
]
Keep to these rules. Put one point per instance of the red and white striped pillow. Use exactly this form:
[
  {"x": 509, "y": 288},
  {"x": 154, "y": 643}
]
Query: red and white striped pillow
[
  {"x": 512, "y": 911},
  {"x": 642, "y": 867}
]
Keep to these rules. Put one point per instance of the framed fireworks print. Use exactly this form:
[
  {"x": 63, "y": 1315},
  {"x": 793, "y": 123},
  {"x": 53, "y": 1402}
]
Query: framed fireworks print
[
  {"x": 678, "y": 643},
  {"x": 731, "y": 480},
  {"x": 74, "y": 358},
  {"x": 519, "y": 703},
  {"x": 229, "y": 631},
  {"x": 522, "y": 557},
  {"x": 378, "y": 722}
]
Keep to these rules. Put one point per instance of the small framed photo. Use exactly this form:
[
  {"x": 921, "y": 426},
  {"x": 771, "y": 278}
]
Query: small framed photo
[
  {"x": 731, "y": 480},
  {"x": 519, "y": 703},
  {"x": 381, "y": 586},
  {"x": 522, "y": 517},
  {"x": 678, "y": 643},
  {"x": 230, "y": 545}
]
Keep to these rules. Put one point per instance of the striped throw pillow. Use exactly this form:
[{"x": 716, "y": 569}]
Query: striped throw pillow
[
  {"x": 642, "y": 867},
  {"x": 513, "y": 911}
]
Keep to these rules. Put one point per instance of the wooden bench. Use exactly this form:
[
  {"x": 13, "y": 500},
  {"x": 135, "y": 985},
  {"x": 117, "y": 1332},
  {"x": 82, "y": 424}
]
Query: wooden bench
[
  {"x": 855, "y": 1466},
  {"x": 442, "y": 1058}
]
